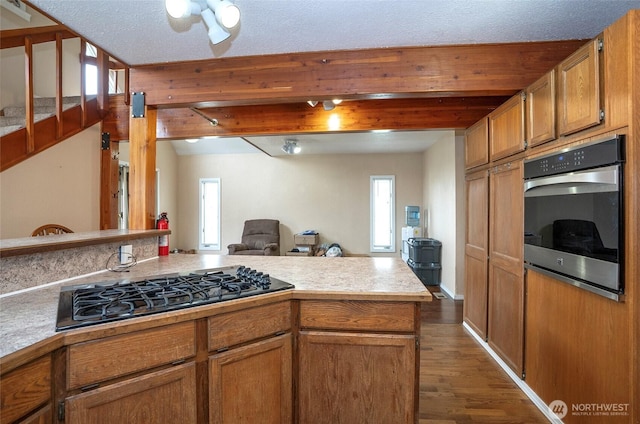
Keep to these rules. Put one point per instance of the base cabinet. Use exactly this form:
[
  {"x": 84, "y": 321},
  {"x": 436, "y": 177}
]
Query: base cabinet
[
  {"x": 41, "y": 416},
  {"x": 356, "y": 378},
  {"x": 578, "y": 351},
  {"x": 26, "y": 389},
  {"x": 162, "y": 397},
  {"x": 252, "y": 384}
]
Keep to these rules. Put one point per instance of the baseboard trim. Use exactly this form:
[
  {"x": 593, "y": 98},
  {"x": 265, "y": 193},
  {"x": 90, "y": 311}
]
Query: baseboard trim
[
  {"x": 451, "y": 295},
  {"x": 537, "y": 401}
]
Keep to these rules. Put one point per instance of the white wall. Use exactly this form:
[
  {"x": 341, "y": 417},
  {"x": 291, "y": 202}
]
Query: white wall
[
  {"x": 327, "y": 193},
  {"x": 167, "y": 167},
  {"x": 58, "y": 186},
  {"x": 12, "y": 81},
  {"x": 444, "y": 207}
]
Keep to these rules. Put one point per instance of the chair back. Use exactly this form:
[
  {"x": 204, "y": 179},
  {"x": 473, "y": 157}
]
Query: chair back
[
  {"x": 50, "y": 229},
  {"x": 258, "y": 233}
]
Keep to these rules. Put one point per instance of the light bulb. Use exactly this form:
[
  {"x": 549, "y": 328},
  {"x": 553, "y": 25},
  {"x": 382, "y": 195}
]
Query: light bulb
[
  {"x": 178, "y": 8},
  {"x": 227, "y": 13}
]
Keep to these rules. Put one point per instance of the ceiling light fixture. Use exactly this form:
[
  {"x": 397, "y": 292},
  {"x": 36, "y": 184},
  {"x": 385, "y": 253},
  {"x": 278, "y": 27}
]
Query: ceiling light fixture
[
  {"x": 312, "y": 103},
  {"x": 328, "y": 105},
  {"x": 218, "y": 15},
  {"x": 331, "y": 104},
  {"x": 291, "y": 147}
]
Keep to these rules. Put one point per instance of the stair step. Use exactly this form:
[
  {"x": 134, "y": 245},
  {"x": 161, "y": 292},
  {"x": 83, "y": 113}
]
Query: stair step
[
  {"x": 21, "y": 110},
  {"x": 9, "y": 129},
  {"x": 20, "y": 121},
  {"x": 51, "y": 101}
]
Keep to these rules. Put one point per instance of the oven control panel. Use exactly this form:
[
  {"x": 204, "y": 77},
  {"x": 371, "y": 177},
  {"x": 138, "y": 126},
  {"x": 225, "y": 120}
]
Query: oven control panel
[{"x": 603, "y": 153}]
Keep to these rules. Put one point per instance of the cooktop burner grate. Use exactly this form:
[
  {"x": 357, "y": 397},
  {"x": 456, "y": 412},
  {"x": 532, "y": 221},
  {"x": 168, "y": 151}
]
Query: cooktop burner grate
[{"x": 98, "y": 303}]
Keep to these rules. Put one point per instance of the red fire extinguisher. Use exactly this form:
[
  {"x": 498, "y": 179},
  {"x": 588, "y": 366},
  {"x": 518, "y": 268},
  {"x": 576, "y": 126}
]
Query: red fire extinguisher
[{"x": 163, "y": 241}]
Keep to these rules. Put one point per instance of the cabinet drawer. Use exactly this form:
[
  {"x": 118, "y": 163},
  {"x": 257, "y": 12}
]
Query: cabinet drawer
[
  {"x": 25, "y": 389},
  {"x": 112, "y": 357},
  {"x": 358, "y": 315},
  {"x": 239, "y": 327}
]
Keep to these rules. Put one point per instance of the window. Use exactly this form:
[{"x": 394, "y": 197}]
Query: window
[
  {"x": 210, "y": 213},
  {"x": 383, "y": 220},
  {"x": 91, "y": 72},
  {"x": 91, "y": 75}
]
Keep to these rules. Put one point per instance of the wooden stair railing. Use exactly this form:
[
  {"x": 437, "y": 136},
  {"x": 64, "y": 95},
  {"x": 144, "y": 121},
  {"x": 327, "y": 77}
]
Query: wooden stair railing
[{"x": 35, "y": 137}]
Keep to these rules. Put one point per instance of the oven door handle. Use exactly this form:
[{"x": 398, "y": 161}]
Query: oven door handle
[{"x": 602, "y": 180}]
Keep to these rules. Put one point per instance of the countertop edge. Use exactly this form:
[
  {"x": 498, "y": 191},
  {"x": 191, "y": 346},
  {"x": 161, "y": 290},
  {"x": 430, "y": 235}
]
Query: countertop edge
[
  {"x": 22, "y": 356},
  {"x": 31, "y": 245}
]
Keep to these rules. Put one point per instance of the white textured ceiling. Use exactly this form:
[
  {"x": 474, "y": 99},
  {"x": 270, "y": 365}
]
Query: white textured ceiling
[{"x": 141, "y": 32}]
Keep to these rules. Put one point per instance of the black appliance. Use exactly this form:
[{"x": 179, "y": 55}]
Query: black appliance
[
  {"x": 573, "y": 216},
  {"x": 88, "y": 304}
]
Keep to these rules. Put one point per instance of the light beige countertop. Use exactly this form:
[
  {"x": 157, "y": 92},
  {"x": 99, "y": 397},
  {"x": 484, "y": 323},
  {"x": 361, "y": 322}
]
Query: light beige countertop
[{"x": 28, "y": 317}]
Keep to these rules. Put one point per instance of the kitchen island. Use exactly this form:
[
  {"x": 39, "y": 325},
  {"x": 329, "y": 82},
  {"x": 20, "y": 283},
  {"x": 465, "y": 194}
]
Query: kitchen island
[{"x": 342, "y": 346}]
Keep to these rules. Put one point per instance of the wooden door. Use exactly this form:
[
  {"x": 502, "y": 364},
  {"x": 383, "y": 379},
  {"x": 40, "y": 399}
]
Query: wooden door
[
  {"x": 579, "y": 89},
  {"x": 506, "y": 128},
  {"x": 476, "y": 144},
  {"x": 477, "y": 252},
  {"x": 252, "y": 384},
  {"x": 347, "y": 378},
  {"x": 162, "y": 397},
  {"x": 541, "y": 110},
  {"x": 506, "y": 271}
]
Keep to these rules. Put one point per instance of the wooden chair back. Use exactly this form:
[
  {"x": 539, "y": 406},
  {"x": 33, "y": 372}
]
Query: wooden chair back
[{"x": 50, "y": 229}]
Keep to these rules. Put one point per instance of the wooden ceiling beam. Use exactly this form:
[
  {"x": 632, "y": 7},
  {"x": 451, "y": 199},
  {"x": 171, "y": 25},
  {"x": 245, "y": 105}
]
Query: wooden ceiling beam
[
  {"x": 436, "y": 71},
  {"x": 300, "y": 118}
]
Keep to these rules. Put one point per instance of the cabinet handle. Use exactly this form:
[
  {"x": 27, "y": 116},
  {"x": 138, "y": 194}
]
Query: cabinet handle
[{"x": 89, "y": 387}]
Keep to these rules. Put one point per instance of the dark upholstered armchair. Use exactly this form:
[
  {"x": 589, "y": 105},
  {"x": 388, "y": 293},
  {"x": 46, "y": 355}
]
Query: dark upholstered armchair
[{"x": 260, "y": 237}]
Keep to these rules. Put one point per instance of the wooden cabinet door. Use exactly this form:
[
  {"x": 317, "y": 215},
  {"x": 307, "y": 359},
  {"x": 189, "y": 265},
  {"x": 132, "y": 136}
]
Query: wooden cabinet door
[
  {"x": 25, "y": 389},
  {"x": 541, "y": 110},
  {"x": 477, "y": 252},
  {"x": 42, "y": 416},
  {"x": 252, "y": 384},
  {"x": 506, "y": 128},
  {"x": 579, "y": 90},
  {"x": 476, "y": 144},
  {"x": 347, "y": 378},
  {"x": 506, "y": 271},
  {"x": 568, "y": 330},
  {"x": 162, "y": 397}
]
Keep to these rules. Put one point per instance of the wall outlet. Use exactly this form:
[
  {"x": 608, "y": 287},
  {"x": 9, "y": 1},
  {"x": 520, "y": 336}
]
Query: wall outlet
[{"x": 126, "y": 254}]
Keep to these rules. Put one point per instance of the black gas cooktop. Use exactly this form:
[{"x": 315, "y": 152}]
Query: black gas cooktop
[{"x": 98, "y": 303}]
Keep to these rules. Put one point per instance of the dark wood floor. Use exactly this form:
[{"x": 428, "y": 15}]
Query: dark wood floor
[{"x": 459, "y": 381}]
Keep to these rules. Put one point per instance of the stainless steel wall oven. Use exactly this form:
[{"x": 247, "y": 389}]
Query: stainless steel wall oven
[{"x": 573, "y": 216}]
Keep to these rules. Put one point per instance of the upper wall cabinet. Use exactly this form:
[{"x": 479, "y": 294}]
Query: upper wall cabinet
[
  {"x": 579, "y": 89},
  {"x": 541, "y": 110},
  {"x": 476, "y": 144},
  {"x": 506, "y": 128}
]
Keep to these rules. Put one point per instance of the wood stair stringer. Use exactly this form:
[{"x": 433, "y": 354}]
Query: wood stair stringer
[{"x": 14, "y": 145}]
